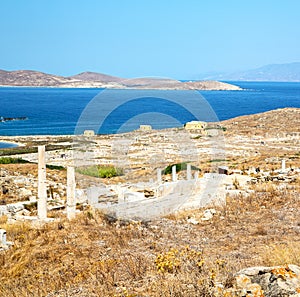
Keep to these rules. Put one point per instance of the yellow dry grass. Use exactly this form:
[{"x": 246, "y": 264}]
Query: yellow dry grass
[{"x": 92, "y": 256}]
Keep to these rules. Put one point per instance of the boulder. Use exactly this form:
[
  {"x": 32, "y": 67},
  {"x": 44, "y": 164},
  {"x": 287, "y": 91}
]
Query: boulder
[
  {"x": 23, "y": 192},
  {"x": 277, "y": 281}
]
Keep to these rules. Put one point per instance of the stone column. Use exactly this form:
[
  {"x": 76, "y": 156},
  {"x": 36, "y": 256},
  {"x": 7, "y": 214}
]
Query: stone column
[
  {"x": 159, "y": 175},
  {"x": 174, "y": 174},
  {"x": 188, "y": 171},
  {"x": 283, "y": 165},
  {"x": 42, "y": 186},
  {"x": 2, "y": 237},
  {"x": 71, "y": 199},
  {"x": 196, "y": 175}
]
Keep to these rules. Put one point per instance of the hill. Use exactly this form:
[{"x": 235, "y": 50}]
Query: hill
[
  {"x": 30, "y": 78},
  {"x": 289, "y": 72},
  {"x": 94, "y": 76}
]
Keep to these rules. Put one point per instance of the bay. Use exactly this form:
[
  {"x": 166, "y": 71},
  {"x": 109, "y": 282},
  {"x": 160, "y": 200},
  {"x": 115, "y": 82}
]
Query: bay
[{"x": 52, "y": 111}]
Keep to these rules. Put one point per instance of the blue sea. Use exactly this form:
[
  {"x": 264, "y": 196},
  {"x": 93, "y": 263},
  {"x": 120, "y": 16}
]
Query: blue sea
[{"x": 52, "y": 111}]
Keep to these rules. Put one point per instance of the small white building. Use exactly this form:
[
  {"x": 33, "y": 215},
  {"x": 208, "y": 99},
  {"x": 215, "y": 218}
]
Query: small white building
[
  {"x": 89, "y": 133},
  {"x": 195, "y": 125},
  {"x": 145, "y": 128}
]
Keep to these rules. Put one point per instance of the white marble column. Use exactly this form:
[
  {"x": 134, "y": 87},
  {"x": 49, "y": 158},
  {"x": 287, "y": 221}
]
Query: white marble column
[
  {"x": 42, "y": 186},
  {"x": 174, "y": 174},
  {"x": 188, "y": 171},
  {"x": 159, "y": 175},
  {"x": 71, "y": 187}
]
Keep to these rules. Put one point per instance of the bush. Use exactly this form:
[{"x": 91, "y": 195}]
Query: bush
[
  {"x": 109, "y": 171},
  {"x": 103, "y": 171},
  {"x": 9, "y": 160}
]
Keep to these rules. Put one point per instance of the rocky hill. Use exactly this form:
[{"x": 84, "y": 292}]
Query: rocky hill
[
  {"x": 29, "y": 78},
  {"x": 94, "y": 76}
]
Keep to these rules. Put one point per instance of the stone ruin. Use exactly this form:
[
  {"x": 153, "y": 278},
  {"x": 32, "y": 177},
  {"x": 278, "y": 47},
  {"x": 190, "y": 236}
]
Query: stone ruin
[
  {"x": 167, "y": 197},
  {"x": 139, "y": 200}
]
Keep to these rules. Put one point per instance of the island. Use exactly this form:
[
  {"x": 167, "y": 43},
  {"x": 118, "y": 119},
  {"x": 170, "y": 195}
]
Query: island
[
  {"x": 6, "y": 119},
  {"x": 29, "y": 78}
]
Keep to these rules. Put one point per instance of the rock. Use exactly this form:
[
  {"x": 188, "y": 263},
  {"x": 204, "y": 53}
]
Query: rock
[
  {"x": 3, "y": 210},
  {"x": 25, "y": 192},
  {"x": 15, "y": 207},
  {"x": 23, "y": 212},
  {"x": 277, "y": 281},
  {"x": 208, "y": 214},
  {"x": 32, "y": 199},
  {"x": 192, "y": 221},
  {"x": 80, "y": 196}
]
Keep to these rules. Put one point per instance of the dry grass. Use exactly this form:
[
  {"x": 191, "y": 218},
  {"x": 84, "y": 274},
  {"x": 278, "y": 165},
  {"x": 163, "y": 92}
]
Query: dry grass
[
  {"x": 89, "y": 256},
  {"x": 92, "y": 256},
  {"x": 284, "y": 253}
]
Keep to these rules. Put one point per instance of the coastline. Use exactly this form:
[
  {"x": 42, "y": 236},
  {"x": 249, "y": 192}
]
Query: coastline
[
  {"x": 141, "y": 84},
  {"x": 19, "y": 140}
]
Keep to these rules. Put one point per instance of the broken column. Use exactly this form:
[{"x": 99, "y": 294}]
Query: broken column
[
  {"x": 3, "y": 242},
  {"x": 159, "y": 175},
  {"x": 196, "y": 175},
  {"x": 283, "y": 165},
  {"x": 174, "y": 174},
  {"x": 71, "y": 187},
  {"x": 42, "y": 186},
  {"x": 188, "y": 171}
]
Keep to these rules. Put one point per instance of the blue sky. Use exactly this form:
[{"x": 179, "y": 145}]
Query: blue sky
[{"x": 127, "y": 38}]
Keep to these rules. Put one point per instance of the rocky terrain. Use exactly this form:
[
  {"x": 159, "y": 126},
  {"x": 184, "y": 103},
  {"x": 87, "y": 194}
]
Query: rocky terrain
[{"x": 29, "y": 78}]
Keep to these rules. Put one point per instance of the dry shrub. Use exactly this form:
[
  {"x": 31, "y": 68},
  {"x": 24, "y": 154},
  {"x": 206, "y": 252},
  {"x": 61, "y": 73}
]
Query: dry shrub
[
  {"x": 3, "y": 219},
  {"x": 284, "y": 253},
  {"x": 266, "y": 187},
  {"x": 260, "y": 230},
  {"x": 91, "y": 257}
]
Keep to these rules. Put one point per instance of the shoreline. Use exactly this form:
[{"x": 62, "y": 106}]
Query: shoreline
[{"x": 10, "y": 138}]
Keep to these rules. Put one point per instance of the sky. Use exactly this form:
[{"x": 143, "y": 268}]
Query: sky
[{"x": 141, "y": 38}]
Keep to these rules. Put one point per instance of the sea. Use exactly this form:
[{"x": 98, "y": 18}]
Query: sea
[{"x": 57, "y": 111}]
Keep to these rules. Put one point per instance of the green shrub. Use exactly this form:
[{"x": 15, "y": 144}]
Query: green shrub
[
  {"x": 109, "y": 171},
  {"x": 103, "y": 171},
  {"x": 9, "y": 160}
]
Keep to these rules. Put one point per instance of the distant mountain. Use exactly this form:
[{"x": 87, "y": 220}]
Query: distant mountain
[
  {"x": 275, "y": 72},
  {"x": 29, "y": 78}
]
